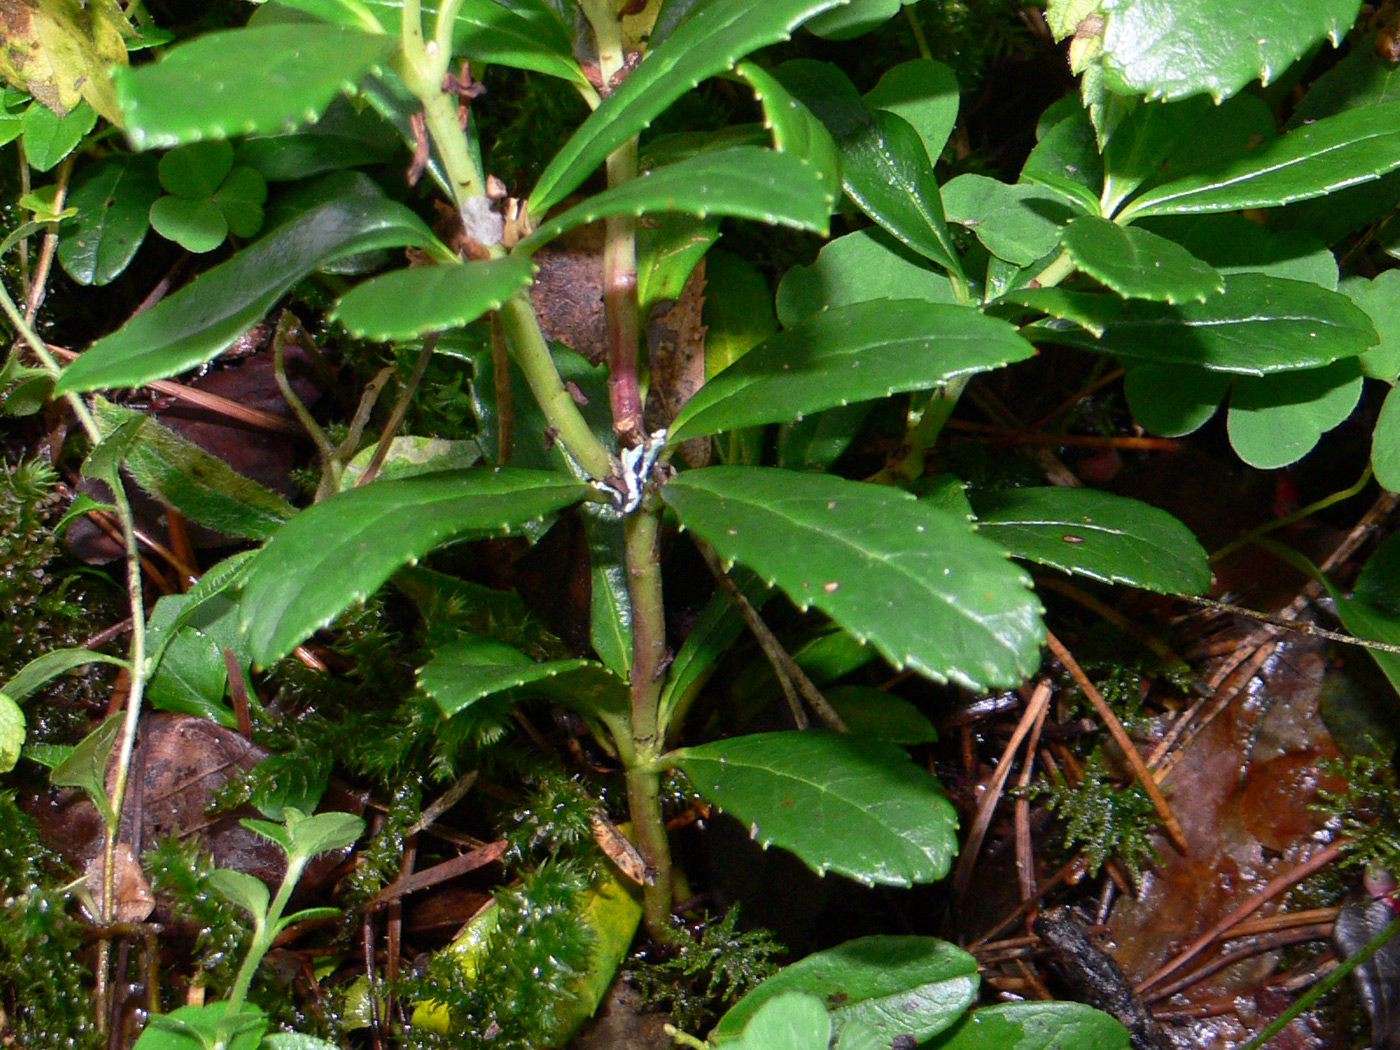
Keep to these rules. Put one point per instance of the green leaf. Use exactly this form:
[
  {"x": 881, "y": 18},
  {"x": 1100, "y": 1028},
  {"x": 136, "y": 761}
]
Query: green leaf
[
  {"x": 846, "y": 354},
  {"x": 1258, "y": 325},
  {"x": 897, "y": 986},
  {"x": 197, "y": 226},
  {"x": 196, "y": 170},
  {"x": 788, "y": 1022},
  {"x": 410, "y": 455},
  {"x": 346, "y": 136},
  {"x": 668, "y": 250},
  {"x": 871, "y": 712},
  {"x": 12, "y": 729},
  {"x": 1353, "y": 147},
  {"x": 925, "y": 93},
  {"x": 610, "y": 611},
  {"x": 1167, "y": 49},
  {"x": 188, "y": 636},
  {"x": 1373, "y": 610},
  {"x": 311, "y": 835},
  {"x": 409, "y": 303},
  {"x": 48, "y": 138},
  {"x": 1385, "y": 443},
  {"x": 1138, "y": 264},
  {"x": 203, "y": 1027},
  {"x": 340, "y": 550},
  {"x": 816, "y": 442},
  {"x": 1019, "y": 223},
  {"x": 1380, "y": 298},
  {"x": 884, "y": 168},
  {"x": 182, "y": 475},
  {"x": 463, "y": 672},
  {"x": 113, "y": 198},
  {"x": 1034, "y": 1026},
  {"x": 1173, "y": 401},
  {"x": 1232, "y": 244},
  {"x": 255, "y": 81},
  {"x": 1277, "y": 420},
  {"x": 710, "y": 41},
  {"x": 855, "y": 19},
  {"x": 1067, "y": 161},
  {"x": 745, "y": 182},
  {"x": 1146, "y": 137},
  {"x": 846, "y": 804},
  {"x": 522, "y": 35},
  {"x": 247, "y": 891},
  {"x": 208, "y": 314},
  {"x": 861, "y": 266},
  {"x": 1362, "y": 78},
  {"x": 795, "y": 129},
  {"x": 1095, "y": 534},
  {"x": 43, "y": 669},
  {"x": 241, "y": 200},
  {"x": 867, "y": 556},
  {"x": 1088, "y": 310},
  {"x": 85, "y": 767}
]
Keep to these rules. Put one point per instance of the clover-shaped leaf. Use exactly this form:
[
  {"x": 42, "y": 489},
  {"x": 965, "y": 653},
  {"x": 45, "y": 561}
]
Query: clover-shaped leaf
[{"x": 207, "y": 197}]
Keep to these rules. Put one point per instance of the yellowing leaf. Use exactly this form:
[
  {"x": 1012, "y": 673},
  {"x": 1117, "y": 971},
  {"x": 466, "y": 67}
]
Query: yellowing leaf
[{"x": 60, "y": 50}]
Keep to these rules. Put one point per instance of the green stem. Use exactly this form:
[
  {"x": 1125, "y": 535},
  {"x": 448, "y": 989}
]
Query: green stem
[
  {"x": 264, "y": 933},
  {"x": 920, "y": 41},
  {"x": 1297, "y": 515},
  {"x": 641, "y": 532},
  {"x": 531, "y": 352}
]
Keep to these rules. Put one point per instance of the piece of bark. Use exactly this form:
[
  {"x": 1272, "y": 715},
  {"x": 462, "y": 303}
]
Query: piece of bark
[
  {"x": 1094, "y": 978},
  {"x": 675, "y": 336}
]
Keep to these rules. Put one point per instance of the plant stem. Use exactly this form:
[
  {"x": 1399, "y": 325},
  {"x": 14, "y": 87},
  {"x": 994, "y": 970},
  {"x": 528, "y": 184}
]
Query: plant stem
[
  {"x": 648, "y": 656},
  {"x": 620, "y": 306}
]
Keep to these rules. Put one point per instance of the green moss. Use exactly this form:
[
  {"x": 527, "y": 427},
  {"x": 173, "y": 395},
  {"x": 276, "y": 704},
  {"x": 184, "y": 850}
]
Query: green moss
[
  {"x": 1368, "y": 810},
  {"x": 1102, "y": 820}
]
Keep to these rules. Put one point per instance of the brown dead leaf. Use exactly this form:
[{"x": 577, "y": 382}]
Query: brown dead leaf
[
  {"x": 130, "y": 890},
  {"x": 60, "y": 50}
]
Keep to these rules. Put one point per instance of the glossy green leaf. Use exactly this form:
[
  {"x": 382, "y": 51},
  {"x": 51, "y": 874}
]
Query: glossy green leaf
[
  {"x": 190, "y": 674},
  {"x": 12, "y": 730},
  {"x": 1173, "y": 401},
  {"x": 340, "y": 550},
  {"x": 201, "y": 486},
  {"x": 48, "y": 138},
  {"x": 1385, "y": 443},
  {"x": 208, "y": 314},
  {"x": 204, "y": 1026},
  {"x": 669, "y": 247},
  {"x": 1067, "y": 161},
  {"x": 861, "y": 266},
  {"x": 846, "y": 804},
  {"x": 872, "y": 712},
  {"x": 795, "y": 130},
  {"x": 344, "y": 137},
  {"x": 522, "y": 35},
  {"x": 113, "y": 198},
  {"x": 1380, "y": 298},
  {"x": 1355, "y": 146},
  {"x": 817, "y": 441},
  {"x": 1256, "y": 326},
  {"x": 1168, "y": 49},
  {"x": 745, "y": 182},
  {"x": 866, "y": 555},
  {"x": 789, "y": 1022},
  {"x": 897, "y": 986},
  {"x": 1149, "y": 134},
  {"x": 925, "y": 93},
  {"x": 321, "y": 832},
  {"x": 848, "y": 354},
  {"x": 710, "y": 41},
  {"x": 196, "y": 225},
  {"x": 1138, "y": 264},
  {"x": 1095, "y": 534},
  {"x": 610, "y": 607},
  {"x": 855, "y": 19},
  {"x": 1232, "y": 244},
  {"x": 1277, "y": 420},
  {"x": 1034, "y": 1026},
  {"x": 1089, "y": 310},
  {"x": 884, "y": 167},
  {"x": 1018, "y": 222},
  {"x": 43, "y": 669},
  {"x": 475, "y": 666},
  {"x": 1362, "y": 78},
  {"x": 255, "y": 81},
  {"x": 409, "y": 303}
]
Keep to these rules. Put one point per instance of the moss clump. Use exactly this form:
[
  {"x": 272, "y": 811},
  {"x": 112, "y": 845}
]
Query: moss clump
[{"x": 1102, "y": 820}]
